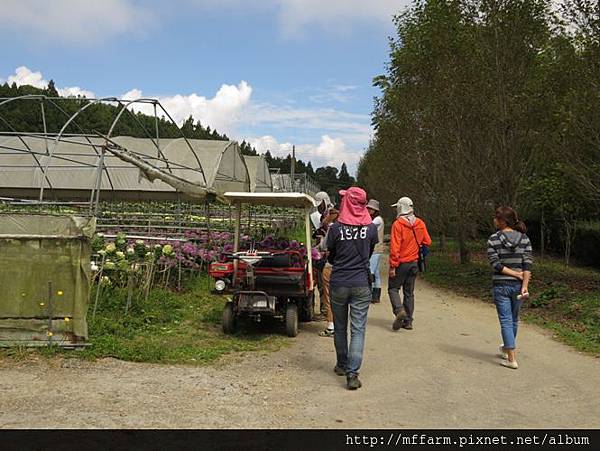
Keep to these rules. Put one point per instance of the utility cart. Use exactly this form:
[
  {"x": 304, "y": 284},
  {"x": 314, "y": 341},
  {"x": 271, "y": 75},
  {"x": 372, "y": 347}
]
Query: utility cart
[{"x": 267, "y": 283}]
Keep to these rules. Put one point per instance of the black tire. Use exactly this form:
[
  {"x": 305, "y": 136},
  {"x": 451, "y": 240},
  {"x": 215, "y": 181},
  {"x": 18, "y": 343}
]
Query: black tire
[
  {"x": 291, "y": 320},
  {"x": 228, "y": 319},
  {"x": 307, "y": 310}
]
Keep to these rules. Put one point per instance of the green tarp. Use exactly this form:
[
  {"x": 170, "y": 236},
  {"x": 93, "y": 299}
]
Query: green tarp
[{"x": 44, "y": 273}]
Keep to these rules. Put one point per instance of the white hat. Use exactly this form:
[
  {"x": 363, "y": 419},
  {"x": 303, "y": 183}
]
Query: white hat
[
  {"x": 404, "y": 206},
  {"x": 321, "y": 197}
]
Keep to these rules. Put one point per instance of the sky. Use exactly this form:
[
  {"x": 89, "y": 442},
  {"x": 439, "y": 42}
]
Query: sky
[{"x": 275, "y": 73}]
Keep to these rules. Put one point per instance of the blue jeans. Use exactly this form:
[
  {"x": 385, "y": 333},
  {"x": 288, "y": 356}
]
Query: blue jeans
[
  {"x": 508, "y": 306},
  {"x": 374, "y": 264},
  {"x": 355, "y": 301}
]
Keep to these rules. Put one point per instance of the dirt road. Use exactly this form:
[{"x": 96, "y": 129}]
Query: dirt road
[{"x": 444, "y": 373}]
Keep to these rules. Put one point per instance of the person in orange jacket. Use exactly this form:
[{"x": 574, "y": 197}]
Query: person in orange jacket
[{"x": 409, "y": 233}]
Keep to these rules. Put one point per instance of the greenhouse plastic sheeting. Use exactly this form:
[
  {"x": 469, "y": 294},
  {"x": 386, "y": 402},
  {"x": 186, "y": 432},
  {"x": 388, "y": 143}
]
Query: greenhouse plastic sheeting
[
  {"x": 260, "y": 176},
  {"x": 72, "y": 170},
  {"x": 36, "y": 251}
]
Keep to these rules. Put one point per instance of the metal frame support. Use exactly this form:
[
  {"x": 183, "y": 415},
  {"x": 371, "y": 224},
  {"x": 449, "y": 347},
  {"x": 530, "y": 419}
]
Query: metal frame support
[
  {"x": 308, "y": 229},
  {"x": 236, "y": 237}
]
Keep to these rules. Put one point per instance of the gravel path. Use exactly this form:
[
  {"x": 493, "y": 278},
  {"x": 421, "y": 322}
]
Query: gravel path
[{"x": 444, "y": 373}]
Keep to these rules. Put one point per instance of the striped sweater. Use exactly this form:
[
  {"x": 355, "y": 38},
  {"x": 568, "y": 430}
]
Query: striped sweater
[{"x": 509, "y": 249}]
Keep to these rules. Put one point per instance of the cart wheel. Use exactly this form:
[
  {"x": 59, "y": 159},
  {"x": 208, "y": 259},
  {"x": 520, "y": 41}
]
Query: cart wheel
[
  {"x": 307, "y": 309},
  {"x": 228, "y": 319},
  {"x": 291, "y": 320}
]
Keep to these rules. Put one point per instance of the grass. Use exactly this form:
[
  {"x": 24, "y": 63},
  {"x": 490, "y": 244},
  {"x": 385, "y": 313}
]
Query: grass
[
  {"x": 170, "y": 327},
  {"x": 565, "y": 300}
]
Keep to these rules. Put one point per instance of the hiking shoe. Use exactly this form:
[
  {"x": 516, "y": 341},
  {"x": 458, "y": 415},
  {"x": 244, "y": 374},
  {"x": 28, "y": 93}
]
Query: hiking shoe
[
  {"x": 502, "y": 352},
  {"x": 400, "y": 317},
  {"x": 375, "y": 295},
  {"x": 508, "y": 364},
  {"x": 339, "y": 371},
  {"x": 407, "y": 324},
  {"x": 352, "y": 382}
]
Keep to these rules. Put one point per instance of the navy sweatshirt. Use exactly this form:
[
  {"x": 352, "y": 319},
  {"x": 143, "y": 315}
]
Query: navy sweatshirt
[{"x": 350, "y": 248}]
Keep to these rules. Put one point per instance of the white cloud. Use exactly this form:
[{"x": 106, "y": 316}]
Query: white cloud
[
  {"x": 309, "y": 119},
  {"x": 223, "y": 112},
  {"x": 328, "y": 152},
  {"x": 73, "y": 21},
  {"x": 132, "y": 94},
  {"x": 75, "y": 91},
  {"x": 25, "y": 76},
  {"x": 85, "y": 22},
  {"x": 334, "y": 93},
  {"x": 269, "y": 143},
  {"x": 335, "y": 16}
]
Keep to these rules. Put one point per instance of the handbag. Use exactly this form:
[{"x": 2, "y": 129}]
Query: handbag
[{"x": 421, "y": 261}]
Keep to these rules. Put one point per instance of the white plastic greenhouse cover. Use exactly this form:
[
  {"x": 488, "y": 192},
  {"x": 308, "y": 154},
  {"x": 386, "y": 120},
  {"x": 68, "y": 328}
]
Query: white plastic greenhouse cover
[
  {"x": 260, "y": 176},
  {"x": 282, "y": 182},
  {"x": 72, "y": 169}
]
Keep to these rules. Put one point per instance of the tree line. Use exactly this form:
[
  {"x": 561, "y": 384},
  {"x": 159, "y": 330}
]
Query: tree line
[
  {"x": 26, "y": 116},
  {"x": 490, "y": 102}
]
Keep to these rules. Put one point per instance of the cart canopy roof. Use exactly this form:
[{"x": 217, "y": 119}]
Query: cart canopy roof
[{"x": 297, "y": 200}]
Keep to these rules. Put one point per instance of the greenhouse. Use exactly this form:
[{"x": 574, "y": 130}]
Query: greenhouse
[
  {"x": 303, "y": 183},
  {"x": 67, "y": 169},
  {"x": 95, "y": 196},
  {"x": 260, "y": 176}
]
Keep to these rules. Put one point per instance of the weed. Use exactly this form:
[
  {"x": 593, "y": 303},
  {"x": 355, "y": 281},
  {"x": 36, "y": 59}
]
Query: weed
[{"x": 167, "y": 327}]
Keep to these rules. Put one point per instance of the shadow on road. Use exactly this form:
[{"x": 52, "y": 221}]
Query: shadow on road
[
  {"x": 468, "y": 352},
  {"x": 385, "y": 323}
]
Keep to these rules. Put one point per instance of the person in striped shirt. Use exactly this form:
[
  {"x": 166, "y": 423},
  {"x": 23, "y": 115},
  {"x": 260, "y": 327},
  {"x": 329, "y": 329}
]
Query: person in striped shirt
[{"x": 510, "y": 254}]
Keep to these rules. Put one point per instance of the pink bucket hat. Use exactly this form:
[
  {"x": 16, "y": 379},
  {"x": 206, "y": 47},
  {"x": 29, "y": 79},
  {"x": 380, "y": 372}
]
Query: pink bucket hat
[{"x": 353, "y": 208}]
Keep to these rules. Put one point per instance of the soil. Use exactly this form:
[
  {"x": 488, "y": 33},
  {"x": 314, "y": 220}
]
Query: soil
[{"x": 443, "y": 374}]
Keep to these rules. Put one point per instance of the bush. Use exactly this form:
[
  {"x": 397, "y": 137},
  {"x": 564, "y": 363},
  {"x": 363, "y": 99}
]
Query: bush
[{"x": 586, "y": 246}]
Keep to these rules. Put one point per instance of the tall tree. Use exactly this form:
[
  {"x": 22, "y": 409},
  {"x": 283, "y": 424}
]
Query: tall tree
[
  {"x": 458, "y": 115},
  {"x": 344, "y": 178}
]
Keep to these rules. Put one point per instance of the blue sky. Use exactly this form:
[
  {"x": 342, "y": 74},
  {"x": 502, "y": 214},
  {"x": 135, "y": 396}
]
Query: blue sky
[{"x": 274, "y": 72}]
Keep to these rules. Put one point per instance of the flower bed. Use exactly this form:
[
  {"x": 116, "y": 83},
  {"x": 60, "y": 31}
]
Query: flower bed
[{"x": 118, "y": 260}]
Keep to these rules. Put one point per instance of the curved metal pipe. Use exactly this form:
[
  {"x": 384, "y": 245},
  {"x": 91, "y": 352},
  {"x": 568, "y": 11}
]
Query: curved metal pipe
[
  {"x": 188, "y": 143},
  {"x": 125, "y": 108},
  {"x": 60, "y": 133}
]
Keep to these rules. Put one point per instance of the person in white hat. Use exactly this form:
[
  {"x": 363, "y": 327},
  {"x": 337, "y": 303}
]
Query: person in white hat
[
  {"x": 323, "y": 204},
  {"x": 373, "y": 209},
  {"x": 409, "y": 238},
  {"x": 322, "y": 208}
]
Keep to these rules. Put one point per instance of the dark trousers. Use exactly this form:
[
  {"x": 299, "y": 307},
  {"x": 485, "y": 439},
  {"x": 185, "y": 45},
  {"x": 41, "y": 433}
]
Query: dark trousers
[{"x": 405, "y": 277}]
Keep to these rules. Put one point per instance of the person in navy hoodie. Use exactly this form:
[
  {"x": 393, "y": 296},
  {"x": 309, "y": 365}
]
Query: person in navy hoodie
[{"x": 350, "y": 243}]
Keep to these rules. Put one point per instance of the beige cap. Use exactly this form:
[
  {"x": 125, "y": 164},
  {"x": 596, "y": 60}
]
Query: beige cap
[{"x": 404, "y": 206}]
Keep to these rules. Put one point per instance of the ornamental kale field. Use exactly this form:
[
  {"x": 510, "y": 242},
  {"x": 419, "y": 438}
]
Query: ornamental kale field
[{"x": 150, "y": 298}]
